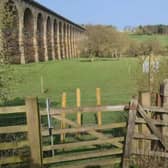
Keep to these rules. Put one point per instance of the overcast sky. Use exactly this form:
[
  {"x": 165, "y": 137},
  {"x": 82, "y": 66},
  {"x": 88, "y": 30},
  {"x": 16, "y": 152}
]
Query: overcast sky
[{"x": 119, "y": 13}]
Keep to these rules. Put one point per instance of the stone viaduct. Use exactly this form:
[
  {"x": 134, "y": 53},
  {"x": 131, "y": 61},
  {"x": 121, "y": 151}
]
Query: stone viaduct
[{"x": 41, "y": 34}]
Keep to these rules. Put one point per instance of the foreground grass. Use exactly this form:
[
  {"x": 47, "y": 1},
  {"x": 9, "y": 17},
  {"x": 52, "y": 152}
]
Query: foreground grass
[{"x": 112, "y": 76}]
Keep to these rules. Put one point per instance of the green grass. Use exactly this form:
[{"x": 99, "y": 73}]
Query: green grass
[
  {"x": 140, "y": 38},
  {"x": 112, "y": 76}
]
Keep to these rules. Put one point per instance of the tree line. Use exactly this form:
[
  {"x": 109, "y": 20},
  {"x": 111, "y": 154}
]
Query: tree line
[
  {"x": 152, "y": 29},
  {"x": 107, "y": 41}
]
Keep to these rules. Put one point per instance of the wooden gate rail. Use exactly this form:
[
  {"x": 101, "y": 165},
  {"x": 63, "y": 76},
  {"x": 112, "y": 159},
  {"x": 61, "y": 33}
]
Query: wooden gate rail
[
  {"x": 31, "y": 128},
  {"x": 11, "y": 130},
  {"x": 84, "y": 110},
  {"x": 87, "y": 155},
  {"x": 147, "y": 135},
  {"x": 83, "y": 129}
]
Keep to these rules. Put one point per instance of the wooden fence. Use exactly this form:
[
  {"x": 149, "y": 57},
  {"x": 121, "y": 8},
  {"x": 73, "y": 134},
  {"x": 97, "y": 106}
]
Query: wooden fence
[
  {"x": 146, "y": 139},
  {"x": 31, "y": 139},
  {"x": 70, "y": 142},
  {"x": 78, "y": 144}
]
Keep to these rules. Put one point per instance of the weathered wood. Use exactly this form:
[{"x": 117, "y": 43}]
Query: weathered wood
[
  {"x": 144, "y": 100},
  {"x": 63, "y": 124},
  {"x": 156, "y": 109},
  {"x": 153, "y": 153},
  {"x": 165, "y": 105},
  {"x": 87, "y": 155},
  {"x": 94, "y": 163},
  {"x": 83, "y": 129},
  {"x": 13, "y": 129},
  {"x": 108, "y": 109},
  {"x": 13, "y": 145},
  {"x": 154, "y": 129},
  {"x": 71, "y": 123},
  {"x": 155, "y": 122},
  {"x": 99, "y": 114},
  {"x": 145, "y": 136},
  {"x": 78, "y": 105},
  {"x": 11, "y": 110},
  {"x": 130, "y": 132},
  {"x": 34, "y": 132},
  {"x": 113, "y": 141},
  {"x": 10, "y": 160}
]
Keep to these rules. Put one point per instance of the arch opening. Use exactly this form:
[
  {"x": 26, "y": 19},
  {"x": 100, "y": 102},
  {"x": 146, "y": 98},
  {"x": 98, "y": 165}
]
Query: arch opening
[
  {"x": 61, "y": 40},
  {"x": 40, "y": 37},
  {"x": 10, "y": 32},
  {"x": 55, "y": 39},
  {"x": 64, "y": 42},
  {"x": 28, "y": 36},
  {"x": 49, "y": 43}
]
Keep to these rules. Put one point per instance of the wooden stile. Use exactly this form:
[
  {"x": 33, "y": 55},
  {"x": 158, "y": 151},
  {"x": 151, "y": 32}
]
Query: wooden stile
[
  {"x": 63, "y": 124},
  {"x": 99, "y": 113}
]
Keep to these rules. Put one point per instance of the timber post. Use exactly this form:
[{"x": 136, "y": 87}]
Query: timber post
[
  {"x": 34, "y": 132},
  {"x": 144, "y": 146},
  {"x": 128, "y": 147},
  {"x": 165, "y": 105}
]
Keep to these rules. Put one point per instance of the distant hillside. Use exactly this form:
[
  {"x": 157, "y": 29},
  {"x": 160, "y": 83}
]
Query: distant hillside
[{"x": 162, "y": 38}]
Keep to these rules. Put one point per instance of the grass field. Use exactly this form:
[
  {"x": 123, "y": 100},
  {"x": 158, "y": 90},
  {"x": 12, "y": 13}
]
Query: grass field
[
  {"x": 162, "y": 38},
  {"x": 112, "y": 76}
]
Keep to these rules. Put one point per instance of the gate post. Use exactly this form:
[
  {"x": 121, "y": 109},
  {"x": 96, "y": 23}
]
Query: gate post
[
  {"x": 144, "y": 100},
  {"x": 34, "y": 132},
  {"x": 129, "y": 143},
  {"x": 165, "y": 105}
]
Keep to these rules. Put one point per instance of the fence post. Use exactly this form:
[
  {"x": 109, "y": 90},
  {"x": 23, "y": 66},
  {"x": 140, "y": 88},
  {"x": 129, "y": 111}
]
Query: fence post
[
  {"x": 78, "y": 104},
  {"x": 34, "y": 132},
  {"x": 63, "y": 125},
  {"x": 99, "y": 114},
  {"x": 165, "y": 105},
  {"x": 129, "y": 143},
  {"x": 144, "y": 145}
]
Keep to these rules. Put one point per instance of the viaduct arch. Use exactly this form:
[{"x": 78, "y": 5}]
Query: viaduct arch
[{"x": 39, "y": 34}]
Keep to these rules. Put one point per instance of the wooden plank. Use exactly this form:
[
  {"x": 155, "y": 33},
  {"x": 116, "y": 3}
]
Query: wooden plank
[
  {"x": 130, "y": 132},
  {"x": 11, "y": 110},
  {"x": 153, "y": 153},
  {"x": 99, "y": 114},
  {"x": 109, "y": 108},
  {"x": 71, "y": 123},
  {"x": 87, "y": 155},
  {"x": 94, "y": 163},
  {"x": 145, "y": 136},
  {"x": 155, "y": 122},
  {"x": 144, "y": 100},
  {"x": 34, "y": 132},
  {"x": 112, "y": 141},
  {"x": 156, "y": 109},
  {"x": 84, "y": 129},
  {"x": 13, "y": 145},
  {"x": 13, "y": 129},
  {"x": 10, "y": 160},
  {"x": 154, "y": 129},
  {"x": 63, "y": 124}
]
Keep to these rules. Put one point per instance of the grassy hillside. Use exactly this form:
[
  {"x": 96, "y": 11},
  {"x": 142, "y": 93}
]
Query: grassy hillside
[
  {"x": 112, "y": 76},
  {"x": 162, "y": 38}
]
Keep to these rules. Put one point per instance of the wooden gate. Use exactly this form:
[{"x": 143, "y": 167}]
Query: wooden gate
[
  {"x": 146, "y": 142},
  {"x": 74, "y": 143}
]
